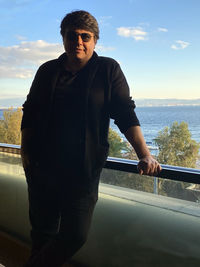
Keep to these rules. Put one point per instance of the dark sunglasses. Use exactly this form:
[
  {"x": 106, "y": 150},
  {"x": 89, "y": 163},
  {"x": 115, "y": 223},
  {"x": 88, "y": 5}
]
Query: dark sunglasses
[{"x": 73, "y": 36}]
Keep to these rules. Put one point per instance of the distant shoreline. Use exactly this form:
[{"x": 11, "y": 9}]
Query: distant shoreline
[
  {"x": 166, "y": 102},
  {"x": 137, "y": 106},
  {"x": 140, "y": 102},
  {"x": 169, "y": 105}
]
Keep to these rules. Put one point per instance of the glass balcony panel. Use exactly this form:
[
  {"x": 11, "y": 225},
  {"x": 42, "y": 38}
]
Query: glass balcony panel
[
  {"x": 11, "y": 164},
  {"x": 160, "y": 186}
]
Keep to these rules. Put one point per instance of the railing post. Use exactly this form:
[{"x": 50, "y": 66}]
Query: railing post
[{"x": 155, "y": 185}]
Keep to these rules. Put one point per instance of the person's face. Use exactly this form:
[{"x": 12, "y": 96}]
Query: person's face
[{"x": 79, "y": 44}]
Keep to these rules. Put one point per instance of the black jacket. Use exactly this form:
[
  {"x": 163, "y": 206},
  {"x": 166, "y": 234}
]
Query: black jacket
[{"x": 105, "y": 95}]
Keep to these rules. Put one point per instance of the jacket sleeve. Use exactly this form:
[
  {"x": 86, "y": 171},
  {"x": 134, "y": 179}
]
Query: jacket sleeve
[
  {"x": 31, "y": 104},
  {"x": 121, "y": 105}
]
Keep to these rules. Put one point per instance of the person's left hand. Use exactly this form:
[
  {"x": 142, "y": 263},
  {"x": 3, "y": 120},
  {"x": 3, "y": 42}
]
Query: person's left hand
[{"x": 148, "y": 166}]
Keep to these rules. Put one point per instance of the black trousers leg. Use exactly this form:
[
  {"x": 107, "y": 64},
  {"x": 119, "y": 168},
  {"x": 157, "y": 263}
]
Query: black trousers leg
[
  {"x": 60, "y": 219},
  {"x": 44, "y": 212}
]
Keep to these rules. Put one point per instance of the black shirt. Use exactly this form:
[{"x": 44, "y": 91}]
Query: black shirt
[{"x": 65, "y": 129}]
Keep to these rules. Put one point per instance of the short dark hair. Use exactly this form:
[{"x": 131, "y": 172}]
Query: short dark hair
[{"x": 80, "y": 20}]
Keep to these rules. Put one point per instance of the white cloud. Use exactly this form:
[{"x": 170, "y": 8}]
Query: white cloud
[
  {"x": 101, "y": 48},
  {"x": 134, "y": 32},
  {"x": 162, "y": 30},
  {"x": 180, "y": 45},
  {"x": 18, "y": 61},
  {"x": 20, "y": 37},
  {"x": 14, "y": 72}
]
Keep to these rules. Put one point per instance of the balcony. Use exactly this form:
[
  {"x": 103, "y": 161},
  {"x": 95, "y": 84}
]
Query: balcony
[{"x": 130, "y": 227}]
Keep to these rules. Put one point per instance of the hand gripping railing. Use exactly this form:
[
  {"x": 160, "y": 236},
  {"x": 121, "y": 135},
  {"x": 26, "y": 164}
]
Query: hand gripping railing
[{"x": 188, "y": 175}]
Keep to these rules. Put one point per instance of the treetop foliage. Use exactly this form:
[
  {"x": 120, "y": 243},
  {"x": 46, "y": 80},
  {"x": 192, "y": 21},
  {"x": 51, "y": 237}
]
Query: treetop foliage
[
  {"x": 118, "y": 147},
  {"x": 10, "y": 126},
  {"x": 176, "y": 146}
]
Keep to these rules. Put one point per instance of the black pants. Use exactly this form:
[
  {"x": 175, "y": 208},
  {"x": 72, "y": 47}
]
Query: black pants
[{"x": 60, "y": 217}]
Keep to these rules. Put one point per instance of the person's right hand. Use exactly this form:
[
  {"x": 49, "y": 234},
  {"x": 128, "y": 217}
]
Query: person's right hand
[{"x": 149, "y": 166}]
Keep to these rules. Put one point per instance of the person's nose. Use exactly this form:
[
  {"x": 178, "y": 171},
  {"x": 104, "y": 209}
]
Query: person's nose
[{"x": 79, "y": 40}]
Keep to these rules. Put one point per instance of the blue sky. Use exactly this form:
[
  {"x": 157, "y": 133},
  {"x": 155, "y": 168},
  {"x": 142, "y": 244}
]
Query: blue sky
[{"x": 156, "y": 42}]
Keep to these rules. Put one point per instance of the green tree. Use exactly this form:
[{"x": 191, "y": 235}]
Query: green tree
[
  {"x": 176, "y": 146},
  {"x": 10, "y": 126},
  {"x": 117, "y": 145}
]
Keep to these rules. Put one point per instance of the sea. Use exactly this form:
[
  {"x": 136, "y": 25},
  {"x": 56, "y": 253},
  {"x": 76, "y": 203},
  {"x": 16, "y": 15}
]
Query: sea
[{"x": 154, "y": 118}]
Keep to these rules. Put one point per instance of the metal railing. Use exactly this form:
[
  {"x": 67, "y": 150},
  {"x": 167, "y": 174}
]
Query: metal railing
[
  {"x": 183, "y": 174},
  {"x": 10, "y": 148}
]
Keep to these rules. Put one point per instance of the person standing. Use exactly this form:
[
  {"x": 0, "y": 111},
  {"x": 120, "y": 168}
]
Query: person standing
[{"x": 65, "y": 139}]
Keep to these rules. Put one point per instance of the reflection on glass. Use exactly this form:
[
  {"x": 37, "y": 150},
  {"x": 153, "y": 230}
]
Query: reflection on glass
[
  {"x": 164, "y": 187},
  {"x": 11, "y": 164}
]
